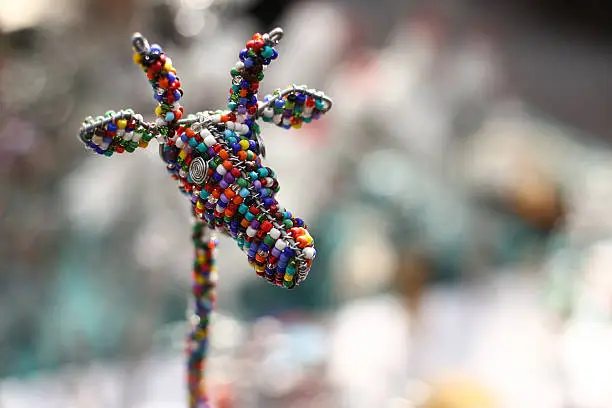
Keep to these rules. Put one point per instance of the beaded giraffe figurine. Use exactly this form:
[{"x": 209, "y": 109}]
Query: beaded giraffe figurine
[{"x": 216, "y": 158}]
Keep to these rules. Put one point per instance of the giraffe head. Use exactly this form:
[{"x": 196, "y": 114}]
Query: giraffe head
[{"x": 216, "y": 156}]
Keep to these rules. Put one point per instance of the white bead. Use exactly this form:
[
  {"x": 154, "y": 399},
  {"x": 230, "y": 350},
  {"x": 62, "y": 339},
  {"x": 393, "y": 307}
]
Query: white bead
[
  {"x": 230, "y": 125},
  {"x": 136, "y": 136},
  {"x": 120, "y": 132},
  {"x": 210, "y": 140},
  {"x": 239, "y": 65},
  {"x": 104, "y": 146},
  {"x": 196, "y": 126},
  {"x": 216, "y": 118},
  {"x": 277, "y": 118},
  {"x": 309, "y": 252},
  {"x": 161, "y": 138},
  {"x": 280, "y": 245},
  {"x": 286, "y": 121},
  {"x": 251, "y": 231},
  {"x": 179, "y": 143},
  {"x": 221, "y": 170},
  {"x": 128, "y": 136},
  {"x": 138, "y": 117},
  {"x": 182, "y": 173},
  {"x": 275, "y": 233},
  {"x": 268, "y": 112},
  {"x": 160, "y": 122},
  {"x": 219, "y": 209}
]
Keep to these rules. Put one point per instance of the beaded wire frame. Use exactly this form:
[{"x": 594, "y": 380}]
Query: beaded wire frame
[{"x": 216, "y": 158}]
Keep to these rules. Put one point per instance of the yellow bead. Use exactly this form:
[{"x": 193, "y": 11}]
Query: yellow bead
[
  {"x": 158, "y": 111},
  {"x": 288, "y": 278},
  {"x": 137, "y": 58},
  {"x": 143, "y": 144},
  {"x": 167, "y": 66},
  {"x": 182, "y": 154},
  {"x": 297, "y": 125},
  {"x": 244, "y": 144},
  {"x": 121, "y": 123},
  {"x": 260, "y": 268},
  {"x": 199, "y": 205},
  {"x": 202, "y": 258}
]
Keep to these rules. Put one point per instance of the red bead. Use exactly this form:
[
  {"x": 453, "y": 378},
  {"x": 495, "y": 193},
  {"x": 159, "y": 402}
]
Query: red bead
[
  {"x": 250, "y": 44},
  {"x": 252, "y": 110},
  {"x": 177, "y": 114},
  {"x": 232, "y": 117},
  {"x": 236, "y": 172},
  {"x": 258, "y": 44},
  {"x": 156, "y": 66},
  {"x": 266, "y": 226},
  {"x": 253, "y": 210}
]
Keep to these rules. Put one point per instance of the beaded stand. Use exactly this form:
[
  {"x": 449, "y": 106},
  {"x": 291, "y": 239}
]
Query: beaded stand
[{"x": 216, "y": 158}]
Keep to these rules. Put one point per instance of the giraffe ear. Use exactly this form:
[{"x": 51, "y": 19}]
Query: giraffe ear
[
  {"x": 116, "y": 132},
  {"x": 294, "y": 106}
]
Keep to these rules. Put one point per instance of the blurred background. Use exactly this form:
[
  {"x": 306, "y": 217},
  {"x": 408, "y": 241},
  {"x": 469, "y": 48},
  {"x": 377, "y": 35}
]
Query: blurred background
[{"x": 458, "y": 193}]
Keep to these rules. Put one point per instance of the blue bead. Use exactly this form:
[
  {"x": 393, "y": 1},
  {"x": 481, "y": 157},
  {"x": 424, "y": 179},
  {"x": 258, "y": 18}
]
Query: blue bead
[
  {"x": 244, "y": 84},
  {"x": 156, "y": 48},
  {"x": 177, "y": 95},
  {"x": 267, "y": 61},
  {"x": 252, "y": 146},
  {"x": 264, "y": 247},
  {"x": 244, "y": 192},
  {"x": 169, "y": 117},
  {"x": 217, "y": 177},
  {"x": 227, "y": 133},
  {"x": 193, "y": 142},
  {"x": 263, "y": 192},
  {"x": 279, "y": 103},
  {"x": 236, "y": 147},
  {"x": 111, "y": 127},
  {"x": 248, "y": 63},
  {"x": 274, "y": 54},
  {"x": 184, "y": 137},
  {"x": 107, "y": 139},
  {"x": 242, "y": 101},
  {"x": 268, "y": 202},
  {"x": 244, "y": 53},
  {"x": 171, "y": 77},
  {"x": 299, "y": 222},
  {"x": 158, "y": 97},
  {"x": 300, "y": 99}
]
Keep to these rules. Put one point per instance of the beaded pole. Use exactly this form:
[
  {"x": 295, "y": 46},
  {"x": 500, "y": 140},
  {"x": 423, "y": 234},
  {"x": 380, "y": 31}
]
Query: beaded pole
[{"x": 216, "y": 159}]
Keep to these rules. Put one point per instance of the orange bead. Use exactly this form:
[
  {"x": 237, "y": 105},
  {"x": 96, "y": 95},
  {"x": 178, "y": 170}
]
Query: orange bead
[
  {"x": 223, "y": 154},
  {"x": 227, "y": 165},
  {"x": 229, "y": 193},
  {"x": 302, "y": 241},
  {"x": 242, "y": 155},
  {"x": 245, "y": 223},
  {"x": 216, "y": 193},
  {"x": 163, "y": 83},
  {"x": 223, "y": 118},
  {"x": 238, "y": 200},
  {"x": 243, "y": 92},
  {"x": 190, "y": 133}
]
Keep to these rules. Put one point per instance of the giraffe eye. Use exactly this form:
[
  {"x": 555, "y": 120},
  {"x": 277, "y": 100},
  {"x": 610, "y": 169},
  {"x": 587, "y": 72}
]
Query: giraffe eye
[
  {"x": 198, "y": 170},
  {"x": 261, "y": 146}
]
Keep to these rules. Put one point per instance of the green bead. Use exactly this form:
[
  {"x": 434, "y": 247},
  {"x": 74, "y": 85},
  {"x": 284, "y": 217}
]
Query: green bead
[
  {"x": 266, "y": 119},
  {"x": 268, "y": 240},
  {"x": 289, "y": 104},
  {"x": 108, "y": 153},
  {"x": 287, "y": 284},
  {"x": 252, "y": 54},
  {"x": 277, "y": 188},
  {"x": 267, "y": 52},
  {"x": 250, "y": 155},
  {"x": 288, "y": 223},
  {"x": 109, "y": 113},
  {"x": 147, "y": 137},
  {"x": 232, "y": 105},
  {"x": 250, "y": 216},
  {"x": 242, "y": 182},
  {"x": 236, "y": 88},
  {"x": 255, "y": 128},
  {"x": 130, "y": 149},
  {"x": 234, "y": 72},
  {"x": 260, "y": 76},
  {"x": 261, "y": 217}
]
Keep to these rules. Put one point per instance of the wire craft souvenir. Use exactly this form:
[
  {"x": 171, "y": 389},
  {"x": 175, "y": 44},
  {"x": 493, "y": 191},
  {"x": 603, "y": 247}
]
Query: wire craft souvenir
[{"x": 216, "y": 158}]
